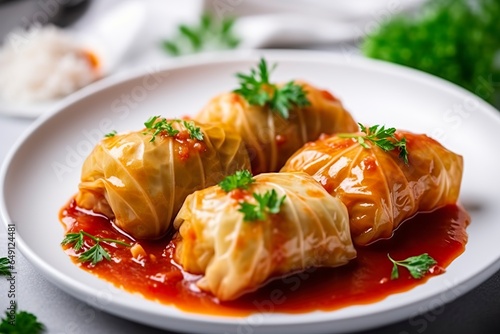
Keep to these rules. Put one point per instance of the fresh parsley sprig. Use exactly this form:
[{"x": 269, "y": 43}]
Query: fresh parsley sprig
[
  {"x": 242, "y": 179},
  {"x": 268, "y": 203},
  {"x": 208, "y": 34},
  {"x": 257, "y": 90},
  {"x": 24, "y": 322},
  {"x": 94, "y": 254},
  {"x": 252, "y": 86},
  {"x": 193, "y": 130},
  {"x": 159, "y": 125},
  {"x": 418, "y": 265},
  {"x": 4, "y": 266},
  {"x": 287, "y": 96},
  {"x": 381, "y": 137}
]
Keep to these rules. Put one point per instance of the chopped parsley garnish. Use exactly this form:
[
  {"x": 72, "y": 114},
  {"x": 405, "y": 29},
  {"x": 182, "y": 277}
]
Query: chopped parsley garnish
[
  {"x": 381, "y": 137},
  {"x": 193, "y": 130},
  {"x": 239, "y": 180},
  {"x": 418, "y": 265},
  {"x": 251, "y": 85},
  {"x": 268, "y": 203},
  {"x": 21, "y": 322},
  {"x": 94, "y": 254},
  {"x": 208, "y": 34},
  {"x": 5, "y": 266},
  {"x": 111, "y": 134},
  {"x": 257, "y": 90},
  {"x": 159, "y": 125},
  {"x": 286, "y": 96},
  {"x": 162, "y": 125}
]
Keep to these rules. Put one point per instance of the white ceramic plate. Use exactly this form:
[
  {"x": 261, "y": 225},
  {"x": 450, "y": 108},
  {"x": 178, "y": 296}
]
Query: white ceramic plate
[
  {"x": 25, "y": 110},
  {"x": 42, "y": 173}
]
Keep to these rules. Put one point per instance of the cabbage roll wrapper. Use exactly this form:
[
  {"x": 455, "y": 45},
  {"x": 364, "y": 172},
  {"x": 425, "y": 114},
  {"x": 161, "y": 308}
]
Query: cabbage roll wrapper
[
  {"x": 142, "y": 184},
  {"x": 271, "y": 139},
  {"x": 236, "y": 256},
  {"x": 378, "y": 188}
]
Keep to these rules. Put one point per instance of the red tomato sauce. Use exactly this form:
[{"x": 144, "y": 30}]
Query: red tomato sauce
[
  {"x": 441, "y": 234},
  {"x": 185, "y": 145},
  {"x": 329, "y": 96}
]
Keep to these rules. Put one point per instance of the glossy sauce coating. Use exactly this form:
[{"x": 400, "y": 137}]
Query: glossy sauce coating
[
  {"x": 379, "y": 189},
  {"x": 185, "y": 145},
  {"x": 364, "y": 280}
]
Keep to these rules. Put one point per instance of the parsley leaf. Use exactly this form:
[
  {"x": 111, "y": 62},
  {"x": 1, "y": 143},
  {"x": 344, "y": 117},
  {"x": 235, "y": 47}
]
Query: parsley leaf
[
  {"x": 272, "y": 201},
  {"x": 286, "y": 96},
  {"x": 418, "y": 265},
  {"x": 24, "y": 322},
  {"x": 208, "y": 34},
  {"x": 94, "y": 254},
  {"x": 257, "y": 90},
  {"x": 269, "y": 202},
  {"x": 239, "y": 180},
  {"x": 251, "y": 212},
  {"x": 150, "y": 122},
  {"x": 193, "y": 130},
  {"x": 5, "y": 266},
  {"x": 252, "y": 86},
  {"x": 111, "y": 134},
  {"x": 73, "y": 238},
  {"x": 158, "y": 125},
  {"x": 381, "y": 137}
]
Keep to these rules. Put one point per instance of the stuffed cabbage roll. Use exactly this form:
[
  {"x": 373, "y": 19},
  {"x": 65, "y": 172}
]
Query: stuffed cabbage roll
[
  {"x": 276, "y": 120},
  {"x": 222, "y": 237},
  {"x": 142, "y": 178},
  {"x": 378, "y": 187}
]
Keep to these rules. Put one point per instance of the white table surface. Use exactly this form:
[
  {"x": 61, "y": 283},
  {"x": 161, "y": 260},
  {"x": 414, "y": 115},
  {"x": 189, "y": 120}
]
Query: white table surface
[{"x": 476, "y": 312}]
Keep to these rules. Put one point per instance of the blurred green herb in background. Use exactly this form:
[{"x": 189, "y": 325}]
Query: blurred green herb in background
[
  {"x": 208, "y": 34},
  {"x": 21, "y": 322},
  {"x": 457, "y": 40}
]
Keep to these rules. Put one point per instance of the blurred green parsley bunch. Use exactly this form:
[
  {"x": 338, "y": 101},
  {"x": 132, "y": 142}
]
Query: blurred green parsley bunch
[
  {"x": 458, "y": 40},
  {"x": 207, "y": 34}
]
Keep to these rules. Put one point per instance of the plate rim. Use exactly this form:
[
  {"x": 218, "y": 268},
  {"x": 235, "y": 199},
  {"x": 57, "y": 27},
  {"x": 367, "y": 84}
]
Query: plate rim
[{"x": 69, "y": 286}]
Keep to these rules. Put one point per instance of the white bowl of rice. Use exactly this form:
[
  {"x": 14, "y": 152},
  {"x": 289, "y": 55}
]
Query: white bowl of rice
[{"x": 43, "y": 64}]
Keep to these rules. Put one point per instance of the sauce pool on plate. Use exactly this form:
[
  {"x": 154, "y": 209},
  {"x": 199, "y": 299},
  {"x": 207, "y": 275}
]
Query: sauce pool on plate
[{"x": 367, "y": 279}]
